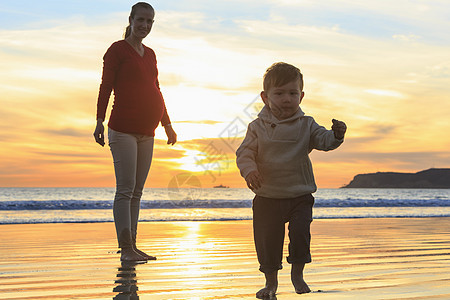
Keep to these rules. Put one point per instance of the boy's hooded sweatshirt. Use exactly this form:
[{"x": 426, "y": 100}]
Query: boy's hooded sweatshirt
[{"x": 279, "y": 150}]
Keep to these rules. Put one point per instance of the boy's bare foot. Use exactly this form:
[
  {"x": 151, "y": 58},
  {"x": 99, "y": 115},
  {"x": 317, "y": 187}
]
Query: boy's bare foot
[
  {"x": 271, "y": 286},
  {"x": 297, "y": 279},
  {"x": 301, "y": 287},
  {"x": 142, "y": 253},
  {"x": 128, "y": 254}
]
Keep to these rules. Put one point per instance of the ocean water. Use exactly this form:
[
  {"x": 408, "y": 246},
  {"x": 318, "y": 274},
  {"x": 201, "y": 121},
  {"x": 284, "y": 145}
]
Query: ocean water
[{"x": 81, "y": 205}]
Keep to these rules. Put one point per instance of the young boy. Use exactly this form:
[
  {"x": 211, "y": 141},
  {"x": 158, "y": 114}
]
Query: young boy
[{"x": 273, "y": 159}]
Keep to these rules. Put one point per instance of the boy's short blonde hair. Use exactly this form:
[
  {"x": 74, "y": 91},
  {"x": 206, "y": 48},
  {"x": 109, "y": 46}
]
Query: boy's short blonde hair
[{"x": 281, "y": 73}]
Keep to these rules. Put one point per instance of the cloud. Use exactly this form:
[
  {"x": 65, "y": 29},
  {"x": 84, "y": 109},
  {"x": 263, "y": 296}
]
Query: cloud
[
  {"x": 386, "y": 93},
  {"x": 388, "y": 161},
  {"x": 406, "y": 38},
  {"x": 206, "y": 122},
  {"x": 67, "y": 132},
  {"x": 212, "y": 146}
]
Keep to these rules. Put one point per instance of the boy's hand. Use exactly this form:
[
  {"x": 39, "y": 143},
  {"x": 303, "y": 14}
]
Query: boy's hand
[
  {"x": 253, "y": 180},
  {"x": 339, "y": 129}
]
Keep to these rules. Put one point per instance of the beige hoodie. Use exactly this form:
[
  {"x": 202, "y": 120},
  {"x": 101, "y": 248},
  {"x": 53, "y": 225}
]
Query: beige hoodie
[{"x": 279, "y": 150}]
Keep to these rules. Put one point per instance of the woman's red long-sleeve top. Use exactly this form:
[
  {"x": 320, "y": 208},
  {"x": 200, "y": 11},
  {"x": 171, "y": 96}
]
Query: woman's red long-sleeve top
[{"x": 138, "y": 104}]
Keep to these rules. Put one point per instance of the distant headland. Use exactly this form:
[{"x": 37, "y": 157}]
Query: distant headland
[{"x": 427, "y": 179}]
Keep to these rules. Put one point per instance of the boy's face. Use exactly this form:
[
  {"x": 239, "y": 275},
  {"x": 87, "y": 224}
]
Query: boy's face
[{"x": 284, "y": 100}]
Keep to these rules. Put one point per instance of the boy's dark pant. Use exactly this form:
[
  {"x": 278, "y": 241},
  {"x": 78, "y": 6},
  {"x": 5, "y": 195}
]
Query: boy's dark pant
[{"x": 269, "y": 218}]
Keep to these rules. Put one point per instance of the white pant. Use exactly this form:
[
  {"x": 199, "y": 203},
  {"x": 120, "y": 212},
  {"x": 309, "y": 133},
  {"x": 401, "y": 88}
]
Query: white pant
[{"x": 132, "y": 155}]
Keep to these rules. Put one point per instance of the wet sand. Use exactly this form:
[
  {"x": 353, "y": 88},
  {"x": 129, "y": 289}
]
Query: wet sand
[{"x": 404, "y": 258}]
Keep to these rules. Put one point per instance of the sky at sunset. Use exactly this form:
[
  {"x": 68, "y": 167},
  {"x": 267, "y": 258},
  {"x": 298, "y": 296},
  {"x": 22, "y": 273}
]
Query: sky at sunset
[{"x": 382, "y": 66}]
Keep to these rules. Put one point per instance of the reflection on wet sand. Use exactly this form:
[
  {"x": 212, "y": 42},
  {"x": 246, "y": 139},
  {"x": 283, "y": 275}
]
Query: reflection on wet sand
[
  {"x": 392, "y": 258},
  {"x": 126, "y": 282}
]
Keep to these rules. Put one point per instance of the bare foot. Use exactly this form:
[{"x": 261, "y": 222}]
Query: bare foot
[
  {"x": 265, "y": 293},
  {"x": 297, "y": 279},
  {"x": 271, "y": 286},
  {"x": 128, "y": 254},
  {"x": 142, "y": 253},
  {"x": 301, "y": 287}
]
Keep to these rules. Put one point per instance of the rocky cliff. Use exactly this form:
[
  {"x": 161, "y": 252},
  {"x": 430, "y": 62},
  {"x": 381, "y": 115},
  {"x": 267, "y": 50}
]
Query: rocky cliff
[{"x": 431, "y": 178}]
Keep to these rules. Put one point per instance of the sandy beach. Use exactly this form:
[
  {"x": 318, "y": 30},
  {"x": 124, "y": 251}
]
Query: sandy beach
[{"x": 385, "y": 258}]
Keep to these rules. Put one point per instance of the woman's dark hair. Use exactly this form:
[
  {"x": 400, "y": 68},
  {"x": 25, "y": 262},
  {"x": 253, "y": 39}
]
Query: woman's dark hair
[{"x": 133, "y": 12}]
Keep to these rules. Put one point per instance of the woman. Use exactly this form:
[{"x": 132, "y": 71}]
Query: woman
[{"x": 129, "y": 68}]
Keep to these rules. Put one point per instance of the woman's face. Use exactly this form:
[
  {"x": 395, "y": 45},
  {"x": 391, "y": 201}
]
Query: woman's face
[{"x": 141, "y": 24}]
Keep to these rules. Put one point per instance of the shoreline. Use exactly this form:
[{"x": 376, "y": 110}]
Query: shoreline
[
  {"x": 228, "y": 220},
  {"x": 374, "y": 258}
]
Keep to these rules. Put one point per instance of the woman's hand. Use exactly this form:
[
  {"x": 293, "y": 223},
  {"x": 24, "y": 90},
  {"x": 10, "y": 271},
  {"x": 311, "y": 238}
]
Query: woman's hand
[
  {"x": 171, "y": 135},
  {"x": 99, "y": 133}
]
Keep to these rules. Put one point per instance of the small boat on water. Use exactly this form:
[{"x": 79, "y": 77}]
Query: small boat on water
[{"x": 221, "y": 186}]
